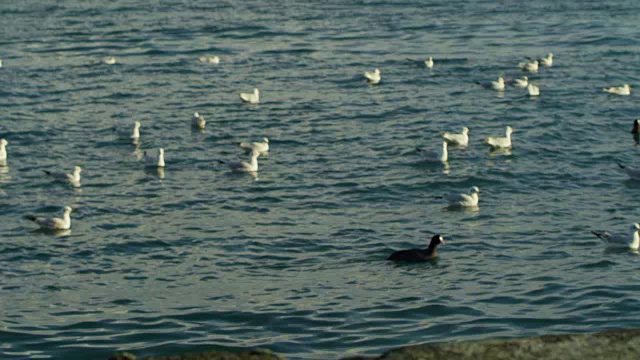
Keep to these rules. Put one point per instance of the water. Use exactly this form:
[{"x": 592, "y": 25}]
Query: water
[{"x": 202, "y": 259}]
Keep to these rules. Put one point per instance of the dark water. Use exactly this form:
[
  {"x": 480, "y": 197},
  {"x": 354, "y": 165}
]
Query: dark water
[{"x": 200, "y": 259}]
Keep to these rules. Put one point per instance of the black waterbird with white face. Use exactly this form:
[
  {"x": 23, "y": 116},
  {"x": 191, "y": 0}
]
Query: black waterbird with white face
[{"x": 419, "y": 255}]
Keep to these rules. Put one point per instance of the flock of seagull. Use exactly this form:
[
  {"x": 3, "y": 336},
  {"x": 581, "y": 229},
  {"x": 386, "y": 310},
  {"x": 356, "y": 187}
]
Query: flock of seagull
[
  {"x": 629, "y": 240},
  {"x": 256, "y": 149}
]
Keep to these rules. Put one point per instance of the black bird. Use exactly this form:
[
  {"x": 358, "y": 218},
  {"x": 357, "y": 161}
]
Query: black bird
[
  {"x": 636, "y": 127},
  {"x": 418, "y": 255}
]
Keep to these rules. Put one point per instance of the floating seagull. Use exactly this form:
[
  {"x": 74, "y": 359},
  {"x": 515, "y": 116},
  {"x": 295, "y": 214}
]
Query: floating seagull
[
  {"x": 548, "y": 61},
  {"x": 457, "y": 139},
  {"x": 3, "y": 149},
  {"x": 501, "y": 142},
  {"x": 621, "y": 90},
  {"x": 154, "y": 159},
  {"x": 529, "y": 66},
  {"x": 198, "y": 121},
  {"x": 635, "y": 130},
  {"x": 633, "y": 173},
  {"x": 52, "y": 223},
  {"x": 533, "y": 90},
  {"x": 434, "y": 156},
  {"x": 74, "y": 178},
  {"x": 252, "y": 98},
  {"x": 261, "y": 147},
  {"x": 373, "y": 77},
  {"x": 464, "y": 200},
  {"x": 209, "y": 59},
  {"x": 630, "y": 241},
  {"x": 521, "y": 83},
  {"x": 429, "y": 63},
  {"x": 125, "y": 130},
  {"x": 418, "y": 255},
  {"x": 109, "y": 60},
  {"x": 495, "y": 85},
  {"x": 243, "y": 166}
]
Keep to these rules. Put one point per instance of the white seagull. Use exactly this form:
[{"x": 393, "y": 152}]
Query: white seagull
[
  {"x": 621, "y": 90},
  {"x": 501, "y": 142},
  {"x": 209, "y": 59},
  {"x": 457, "y": 139},
  {"x": 529, "y": 66},
  {"x": 3, "y": 149},
  {"x": 198, "y": 121},
  {"x": 634, "y": 173},
  {"x": 521, "y": 83},
  {"x": 495, "y": 85},
  {"x": 261, "y": 147},
  {"x": 464, "y": 200},
  {"x": 154, "y": 159},
  {"x": 373, "y": 77},
  {"x": 252, "y": 98},
  {"x": 125, "y": 130},
  {"x": 548, "y": 61},
  {"x": 243, "y": 166},
  {"x": 429, "y": 63},
  {"x": 434, "y": 156},
  {"x": 630, "y": 241},
  {"x": 109, "y": 60},
  {"x": 73, "y": 178},
  {"x": 533, "y": 90},
  {"x": 52, "y": 223}
]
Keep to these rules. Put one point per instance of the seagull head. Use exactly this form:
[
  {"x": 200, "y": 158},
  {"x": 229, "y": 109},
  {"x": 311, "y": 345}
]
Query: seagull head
[
  {"x": 501, "y": 80},
  {"x": 265, "y": 140},
  {"x": 67, "y": 209},
  {"x": 77, "y": 169},
  {"x": 195, "y": 114},
  {"x": 627, "y": 86},
  {"x": 256, "y": 91},
  {"x": 3, "y": 142},
  {"x": 474, "y": 190},
  {"x": 465, "y": 130},
  {"x": 509, "y": 130},
  {"x": 136, "y": 125},
  {"x": 161, "y": 151}
]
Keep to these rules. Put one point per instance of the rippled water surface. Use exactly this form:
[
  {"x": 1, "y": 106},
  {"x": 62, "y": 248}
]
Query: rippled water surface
[{"x": 197, "y": 258}]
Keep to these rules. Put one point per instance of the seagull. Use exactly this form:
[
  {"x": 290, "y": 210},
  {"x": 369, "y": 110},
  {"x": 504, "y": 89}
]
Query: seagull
[
  {"x": 521, "y": 83},
  {"x": 464, "y": 200},
  {"x": 126, "y": 131},
  {"x": 548, "y": 61},
  {"x": 501, "y": 142},
  {"x": 0, "y": 63},
  {"x": 495, "y": 85},
  {"x": 74, "y": 178},
  {"x": 635, "y": 130},
  {"x": 630, "y": 241},
  {"x": 418, "y": 255},
  {"x": 373, "y": 77},
  {"x": 529, "y": 66},
  {"x": 261, "y": 147},
  {"x": 3, "y": 149},
  {"x": 634, "y": 173},
  {"x": 154, "y": 160},
  {"x": 209, "y": 59},
  {"x": 621, "y": 90},
  {"x": 434, "y": 156},
  {"x": 429, "y": 63},
  {"x": 109, "y": 60},
  {"x": 457, "y": 139},
  {"x": 533, "y": 90},
  {"x": 52, "y": 223},
  {"x": 252, "y": 98},
  {"x": 243, "y": 166},
  {"x": 198, "y": 121}
]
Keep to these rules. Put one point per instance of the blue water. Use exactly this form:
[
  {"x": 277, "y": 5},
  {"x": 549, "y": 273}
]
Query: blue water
[{"x": 198, "y": 258}]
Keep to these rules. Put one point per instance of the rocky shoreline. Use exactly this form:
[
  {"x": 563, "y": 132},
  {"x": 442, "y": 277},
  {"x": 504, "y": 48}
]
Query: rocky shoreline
[{"x": 608, "y": 345}]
